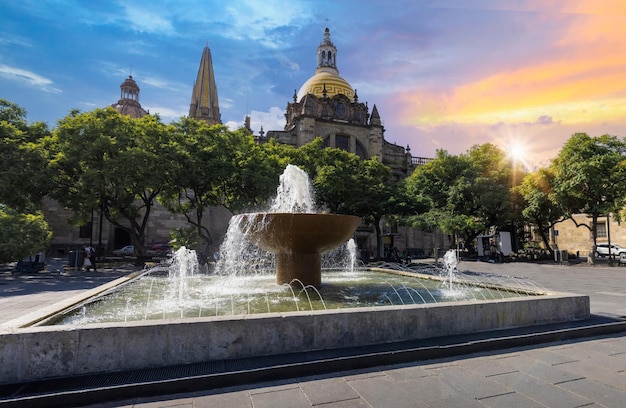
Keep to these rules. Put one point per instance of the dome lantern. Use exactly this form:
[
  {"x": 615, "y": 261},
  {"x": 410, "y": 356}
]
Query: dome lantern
[{"x": 326, "y": 82}]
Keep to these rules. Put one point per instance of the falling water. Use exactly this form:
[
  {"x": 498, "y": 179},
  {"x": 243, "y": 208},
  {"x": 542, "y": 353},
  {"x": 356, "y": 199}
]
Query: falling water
[
  {"x": 352, "y": 253},
  {"x": 449, "y": 271}
]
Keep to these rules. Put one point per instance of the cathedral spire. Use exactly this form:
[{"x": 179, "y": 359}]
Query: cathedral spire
[{"x": 204, "y": 105}]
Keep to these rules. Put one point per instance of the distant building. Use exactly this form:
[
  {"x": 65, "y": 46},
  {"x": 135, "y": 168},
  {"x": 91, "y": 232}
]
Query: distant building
[{"x": 128, "y": 103}]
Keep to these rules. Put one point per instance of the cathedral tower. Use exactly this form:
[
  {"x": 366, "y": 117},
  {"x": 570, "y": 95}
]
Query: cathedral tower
[
  {"x": 128, "y": 103},
  {"x": 204, "y": 105}
]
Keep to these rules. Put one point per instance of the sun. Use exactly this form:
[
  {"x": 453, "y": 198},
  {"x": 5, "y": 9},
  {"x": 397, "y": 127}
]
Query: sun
[{"x": 518, "y": 151}]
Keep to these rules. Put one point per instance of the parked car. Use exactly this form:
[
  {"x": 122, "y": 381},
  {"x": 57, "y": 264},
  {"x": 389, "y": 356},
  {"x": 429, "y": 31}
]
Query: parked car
[
  {"x": 128, "y": 250},
  {"x": 160, "y": 250},
  {"x": 603, "y": 250}
]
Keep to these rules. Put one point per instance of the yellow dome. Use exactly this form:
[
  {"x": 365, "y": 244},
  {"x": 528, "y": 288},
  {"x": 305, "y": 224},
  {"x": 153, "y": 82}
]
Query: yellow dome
[{"x": 334, "y": 85}]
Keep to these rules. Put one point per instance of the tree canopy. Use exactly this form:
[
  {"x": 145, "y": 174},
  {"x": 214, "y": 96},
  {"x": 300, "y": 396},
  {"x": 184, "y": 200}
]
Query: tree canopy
[
  {"x": 589, "y": 177},
  {"x": 23, "y": 229},
  {"x": 465, "y": 194},
  {"x": 107, "y": 161}
]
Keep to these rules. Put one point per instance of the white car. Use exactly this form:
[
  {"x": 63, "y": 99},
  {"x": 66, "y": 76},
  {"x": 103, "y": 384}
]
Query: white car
[
  {"x": 603, "y": 250},
  {"x": 128, "y": 250}
]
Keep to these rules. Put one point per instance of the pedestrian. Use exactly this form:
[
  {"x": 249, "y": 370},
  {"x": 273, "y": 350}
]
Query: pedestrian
[{"x": 90, "y": 258}]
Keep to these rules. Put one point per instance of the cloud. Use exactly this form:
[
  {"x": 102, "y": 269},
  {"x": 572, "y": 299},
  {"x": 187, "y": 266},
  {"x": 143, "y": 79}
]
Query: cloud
[
  {"x": 167, "y": 114},
  {"x": 274, "y": 119},
  {"x": 148, "y": 19},
  {"x": 29, "y": 78}
]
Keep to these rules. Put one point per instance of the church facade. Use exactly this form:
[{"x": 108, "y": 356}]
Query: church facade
[{"x": 326, "y": 106}]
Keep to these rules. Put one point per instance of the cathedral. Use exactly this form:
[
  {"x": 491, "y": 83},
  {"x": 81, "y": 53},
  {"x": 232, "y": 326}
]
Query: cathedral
[{"x": 325, "y": 106}]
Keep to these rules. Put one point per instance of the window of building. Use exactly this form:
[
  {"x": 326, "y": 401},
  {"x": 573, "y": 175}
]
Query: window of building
[
  {"x": 85, "y": 230},
  {"x": 602, "y": 230},
  {"x": 342, "y": 142}
]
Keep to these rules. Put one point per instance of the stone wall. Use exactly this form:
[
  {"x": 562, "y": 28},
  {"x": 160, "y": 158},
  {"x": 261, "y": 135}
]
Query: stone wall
[{"x": 60, "y": 351}]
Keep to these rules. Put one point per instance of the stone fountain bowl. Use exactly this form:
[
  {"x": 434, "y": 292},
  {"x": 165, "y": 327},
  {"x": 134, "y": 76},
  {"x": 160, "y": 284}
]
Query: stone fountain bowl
[
  {"x": 298, "y": 232},
  {"x": 298, "y": 240}
]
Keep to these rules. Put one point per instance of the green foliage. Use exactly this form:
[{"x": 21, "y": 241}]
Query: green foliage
[
  {"x": 464, "y": 194},
  {"x": 589, "y": 177},
  {"x": 182, "y": 237},
  {"x": 103, "y": 160},
  {"x": 21, "y": 235},
  {"x": 212, "y": 166},
  {"x": 538, "y": 208},
  {"x": 23, "y": 174}
]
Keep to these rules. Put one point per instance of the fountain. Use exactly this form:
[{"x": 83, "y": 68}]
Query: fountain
[
  {"x": 298, "y": 240},
  {"x": 294, "y": 232},
  {"x": 31, "y": 351}
]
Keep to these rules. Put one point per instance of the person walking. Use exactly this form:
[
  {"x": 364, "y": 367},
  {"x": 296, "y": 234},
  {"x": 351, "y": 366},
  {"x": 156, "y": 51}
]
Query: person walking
[{"x": 90, "y": 258}]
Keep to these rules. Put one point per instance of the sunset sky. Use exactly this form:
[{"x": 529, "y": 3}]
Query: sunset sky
[{"x": 443, "y": 74}]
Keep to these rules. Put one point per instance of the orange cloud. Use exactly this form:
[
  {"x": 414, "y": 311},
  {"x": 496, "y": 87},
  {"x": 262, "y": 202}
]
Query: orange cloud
[{"x": 579, "y": 78}]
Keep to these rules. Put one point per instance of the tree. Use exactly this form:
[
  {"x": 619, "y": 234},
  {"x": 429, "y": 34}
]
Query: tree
[
  {"x": 538, "y": 208},
  {"x": 23, "y": 174},
  {"x": 212, "y": 166},
  {"x": 377, "y": 196},
  {"x": 465, "y": 194},
  {"x": 21, "y": 234},
  {"x": 23, "y": 229},
  {"x": 590, "y": 178},
  {"x": 103, "y": 160}
]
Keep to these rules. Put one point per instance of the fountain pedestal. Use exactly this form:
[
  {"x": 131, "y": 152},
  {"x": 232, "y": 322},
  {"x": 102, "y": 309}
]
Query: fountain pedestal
[{"x": 298, "y": 240}]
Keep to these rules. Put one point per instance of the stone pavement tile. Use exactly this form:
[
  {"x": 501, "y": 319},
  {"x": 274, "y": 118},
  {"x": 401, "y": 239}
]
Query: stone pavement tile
[
  {"x": 384, "y": 392},
  {"x": 595, "y": 356},
  {"x": 232, "y": 399},
  {"x": 551, "y": 355},
  {"x": 609, "y": 346},
  {"x": 600, "y": 393},
  {"x": 539, "y": 369},
  {"x": 280, "y": 397},
  {"x": 328, "y": 390},
  {"x": 456, "y": 401},
  {"x": 406, "y": 372},
  {"x": 471, "y": 384},
  {"x": 510, "y": 400},
  {"x": 490, "y": 365},
  {"x": 541, "y": 391},
  {"x": 613, "y": 378}
]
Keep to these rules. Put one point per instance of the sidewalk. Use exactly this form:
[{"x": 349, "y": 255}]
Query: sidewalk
[{"x": 568, "y": 373}]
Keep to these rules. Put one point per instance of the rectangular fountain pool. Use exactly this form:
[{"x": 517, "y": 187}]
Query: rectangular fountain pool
[{"x": 158, "y": 296}]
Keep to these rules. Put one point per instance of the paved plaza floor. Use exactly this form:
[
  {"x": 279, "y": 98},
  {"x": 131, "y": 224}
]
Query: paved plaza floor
[{"x": 583, "y": 372}]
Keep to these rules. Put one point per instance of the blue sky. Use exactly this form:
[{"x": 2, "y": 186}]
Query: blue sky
[{"x": 443, "y": 74}]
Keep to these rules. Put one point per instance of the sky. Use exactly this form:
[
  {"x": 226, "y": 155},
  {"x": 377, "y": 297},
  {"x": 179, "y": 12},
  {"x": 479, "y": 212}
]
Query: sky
[{"x": 522, "y": 74}]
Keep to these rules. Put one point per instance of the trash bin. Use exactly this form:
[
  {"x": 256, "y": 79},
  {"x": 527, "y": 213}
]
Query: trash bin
[{"x": 76, "y": 258}]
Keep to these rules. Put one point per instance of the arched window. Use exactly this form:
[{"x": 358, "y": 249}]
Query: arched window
[{"x": 343, "y": 142}]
